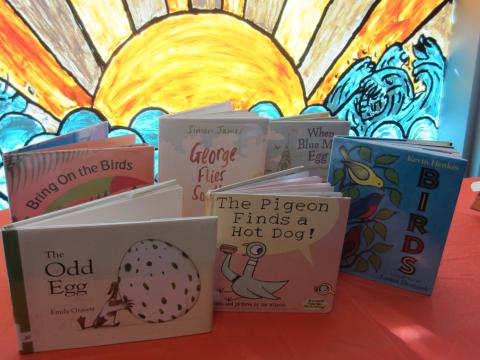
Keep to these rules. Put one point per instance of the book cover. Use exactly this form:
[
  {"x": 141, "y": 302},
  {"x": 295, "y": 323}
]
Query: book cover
[
  {"x": 125, "y": 276},
  {"x": 89, "y": 133},
  {"x": 278, "y": 252},
  {"x": 203, "y": 154},
  {"x": 302, "y": 142},
  {"x": 42, "y": 181},
  {"x": 403, "y": 199}
]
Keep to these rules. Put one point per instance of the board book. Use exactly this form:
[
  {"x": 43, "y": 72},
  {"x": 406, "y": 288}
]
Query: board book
[
  {"x": 207, "y": 151},
  {"x": 403, "y": 198},
  {"x": 280, "y": 239},
  {"x": 61, "y": 175},
  {"x": 118, "y": 269},
  {"x": 302, "y": 140}
]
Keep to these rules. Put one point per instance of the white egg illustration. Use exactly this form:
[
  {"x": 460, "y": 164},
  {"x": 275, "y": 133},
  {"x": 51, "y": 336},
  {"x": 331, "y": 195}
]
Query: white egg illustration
[{"x": 159, "y": 279}]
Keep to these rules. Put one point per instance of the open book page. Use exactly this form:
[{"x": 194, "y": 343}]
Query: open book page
[{"x": 154, "y": 202}]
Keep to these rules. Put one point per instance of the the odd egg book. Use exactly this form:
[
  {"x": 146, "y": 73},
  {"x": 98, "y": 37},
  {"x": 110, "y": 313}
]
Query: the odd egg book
[
  {"x": 280, "y": 239},
  {"x": 403, "y": 198},
  {"x": 60, "y": 174},
  {"x": 117, "y": 269},
  {"x": 209, "y": 151}
]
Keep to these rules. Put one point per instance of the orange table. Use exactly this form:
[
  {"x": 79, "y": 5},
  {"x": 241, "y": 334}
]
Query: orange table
[{"x": 370, "y": 321}]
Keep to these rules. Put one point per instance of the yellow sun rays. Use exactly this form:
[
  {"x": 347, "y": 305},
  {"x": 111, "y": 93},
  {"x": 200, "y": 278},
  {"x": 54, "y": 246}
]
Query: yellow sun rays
[
  {"x": 97, "y": 18},
  {"x": 187, "y": 60},
  {"x": 29, "y": 65},
  {"x": 195, "y": 66}
]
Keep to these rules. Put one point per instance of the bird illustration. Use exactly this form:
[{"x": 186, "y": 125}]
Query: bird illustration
[
  {"x": 352, "y": 242},
  {"x": 108, "y": 314},
  {"x": 365, "y": 207},
  {"x": 245, "y": 285},
  {"x": 360, "y": 173}
]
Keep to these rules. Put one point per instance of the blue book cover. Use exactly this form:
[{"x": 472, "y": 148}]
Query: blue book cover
[
  {"x": 90, "y": 133},
  {"x": 403, "y": 198}
]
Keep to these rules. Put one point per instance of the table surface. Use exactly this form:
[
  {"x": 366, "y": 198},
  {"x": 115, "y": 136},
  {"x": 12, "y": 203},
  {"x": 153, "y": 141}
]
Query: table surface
[{"x": 369, "y": 321}]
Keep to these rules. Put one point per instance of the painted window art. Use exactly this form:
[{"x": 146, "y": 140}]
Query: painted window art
[{"x": 69, "y": 64}]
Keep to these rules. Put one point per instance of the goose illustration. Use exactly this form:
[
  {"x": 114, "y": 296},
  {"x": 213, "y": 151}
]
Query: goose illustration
[{"x": 245, "y": 285}]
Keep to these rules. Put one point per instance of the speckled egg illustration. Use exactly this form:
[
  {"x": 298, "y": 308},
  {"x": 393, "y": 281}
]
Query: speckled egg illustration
[{"x": 161, "y": 281}]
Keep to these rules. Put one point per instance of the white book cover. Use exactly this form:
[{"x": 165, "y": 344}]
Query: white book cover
[
  {"x": 308, "y": 142},
  {"x": 79, "y": 279},
  {"x": 204, "y": 154}
]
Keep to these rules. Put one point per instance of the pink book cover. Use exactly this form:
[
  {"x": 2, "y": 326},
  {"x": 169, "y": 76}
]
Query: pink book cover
[
  {"x": 277, "y": 253},
  {"x": 43, "y": 181}
]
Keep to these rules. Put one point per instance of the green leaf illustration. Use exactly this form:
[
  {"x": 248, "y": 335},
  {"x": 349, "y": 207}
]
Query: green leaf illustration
[
  {"x": 365, "y": 153},
  {"x": 369, "y": 235},
  {"x": 385, "y": 159},
  {"x": 376, "y": 261},
  {"x": 351, "y": 191},
  {"x": 380, "y": 229},
  {"x": 392, "y": 176},
  {"x": 361, "y": 265},
  {"x": 396, "y": 197},
  {"x": 381, "y": 248},
  {"x": 384, "y": 214},
  {"x": 338, "y": 176}
]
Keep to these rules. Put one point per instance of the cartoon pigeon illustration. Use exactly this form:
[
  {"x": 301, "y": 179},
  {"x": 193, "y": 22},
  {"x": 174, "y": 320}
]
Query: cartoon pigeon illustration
[{"x": 245, "y": 285}]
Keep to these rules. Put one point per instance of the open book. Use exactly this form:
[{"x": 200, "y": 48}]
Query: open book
[
  {"x": 74, "y": 168},
  {"x": 118, "y": 269},
  {"x": 280, "y": 239}
]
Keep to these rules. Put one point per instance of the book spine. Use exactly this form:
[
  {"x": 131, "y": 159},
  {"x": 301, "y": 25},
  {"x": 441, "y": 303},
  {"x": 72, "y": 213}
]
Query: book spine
[
  {"x": 13, "y": 261},
  {"x": 209, "y": 203}
]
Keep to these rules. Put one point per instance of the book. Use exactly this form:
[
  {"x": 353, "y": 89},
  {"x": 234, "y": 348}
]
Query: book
[
  {"x": 301, "y": 140},
  {"x": 209, "y": 151},
  {"x": 117, "y": 269},
  {"x": 403, "y": 199},
  {"x": 49, "y": 178},
  {"x": 280, "y": 239},
  {"x": 89, "y": 133}
]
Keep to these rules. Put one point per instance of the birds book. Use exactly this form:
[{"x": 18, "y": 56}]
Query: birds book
[
  {"x": 74, "y": 168},
  {"x": 302, "y": 140},
  {"x": 205, "y": 151},
  {"x": 403, "y": 197},
  {"x": 117, "y": 269},
  {"x": 280, "y": 238}
]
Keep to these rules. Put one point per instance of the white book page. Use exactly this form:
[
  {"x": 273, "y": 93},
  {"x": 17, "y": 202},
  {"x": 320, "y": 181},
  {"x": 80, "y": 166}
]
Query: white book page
[{"x": 156, "y": 203}]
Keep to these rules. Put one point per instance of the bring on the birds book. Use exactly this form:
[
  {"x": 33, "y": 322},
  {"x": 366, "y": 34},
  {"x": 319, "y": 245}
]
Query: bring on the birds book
[
  {"x": 403, "y": 197},
  {"x": 279, "y": 244}
]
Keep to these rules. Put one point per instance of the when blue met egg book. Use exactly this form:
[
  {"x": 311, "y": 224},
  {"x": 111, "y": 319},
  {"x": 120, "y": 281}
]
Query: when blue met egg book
[{"x": 403, "y": 198}]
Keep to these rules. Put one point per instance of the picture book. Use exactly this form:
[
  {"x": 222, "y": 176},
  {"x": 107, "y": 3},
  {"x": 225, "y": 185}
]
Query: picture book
[
  {"x": 303, "y": 141},
  {"x": 209, "y": 151},
  {"x": 117, "y": 269},
  {"x": 403, "y": 198},
  {"x": 48, "y": 179},
  {"x": 280, "y": 239}
]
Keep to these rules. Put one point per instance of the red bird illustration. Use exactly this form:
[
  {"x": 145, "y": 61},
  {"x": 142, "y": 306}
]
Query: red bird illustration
[
  {"x": 352, "y": 242},
  {"x": 365, "y": 207}
]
